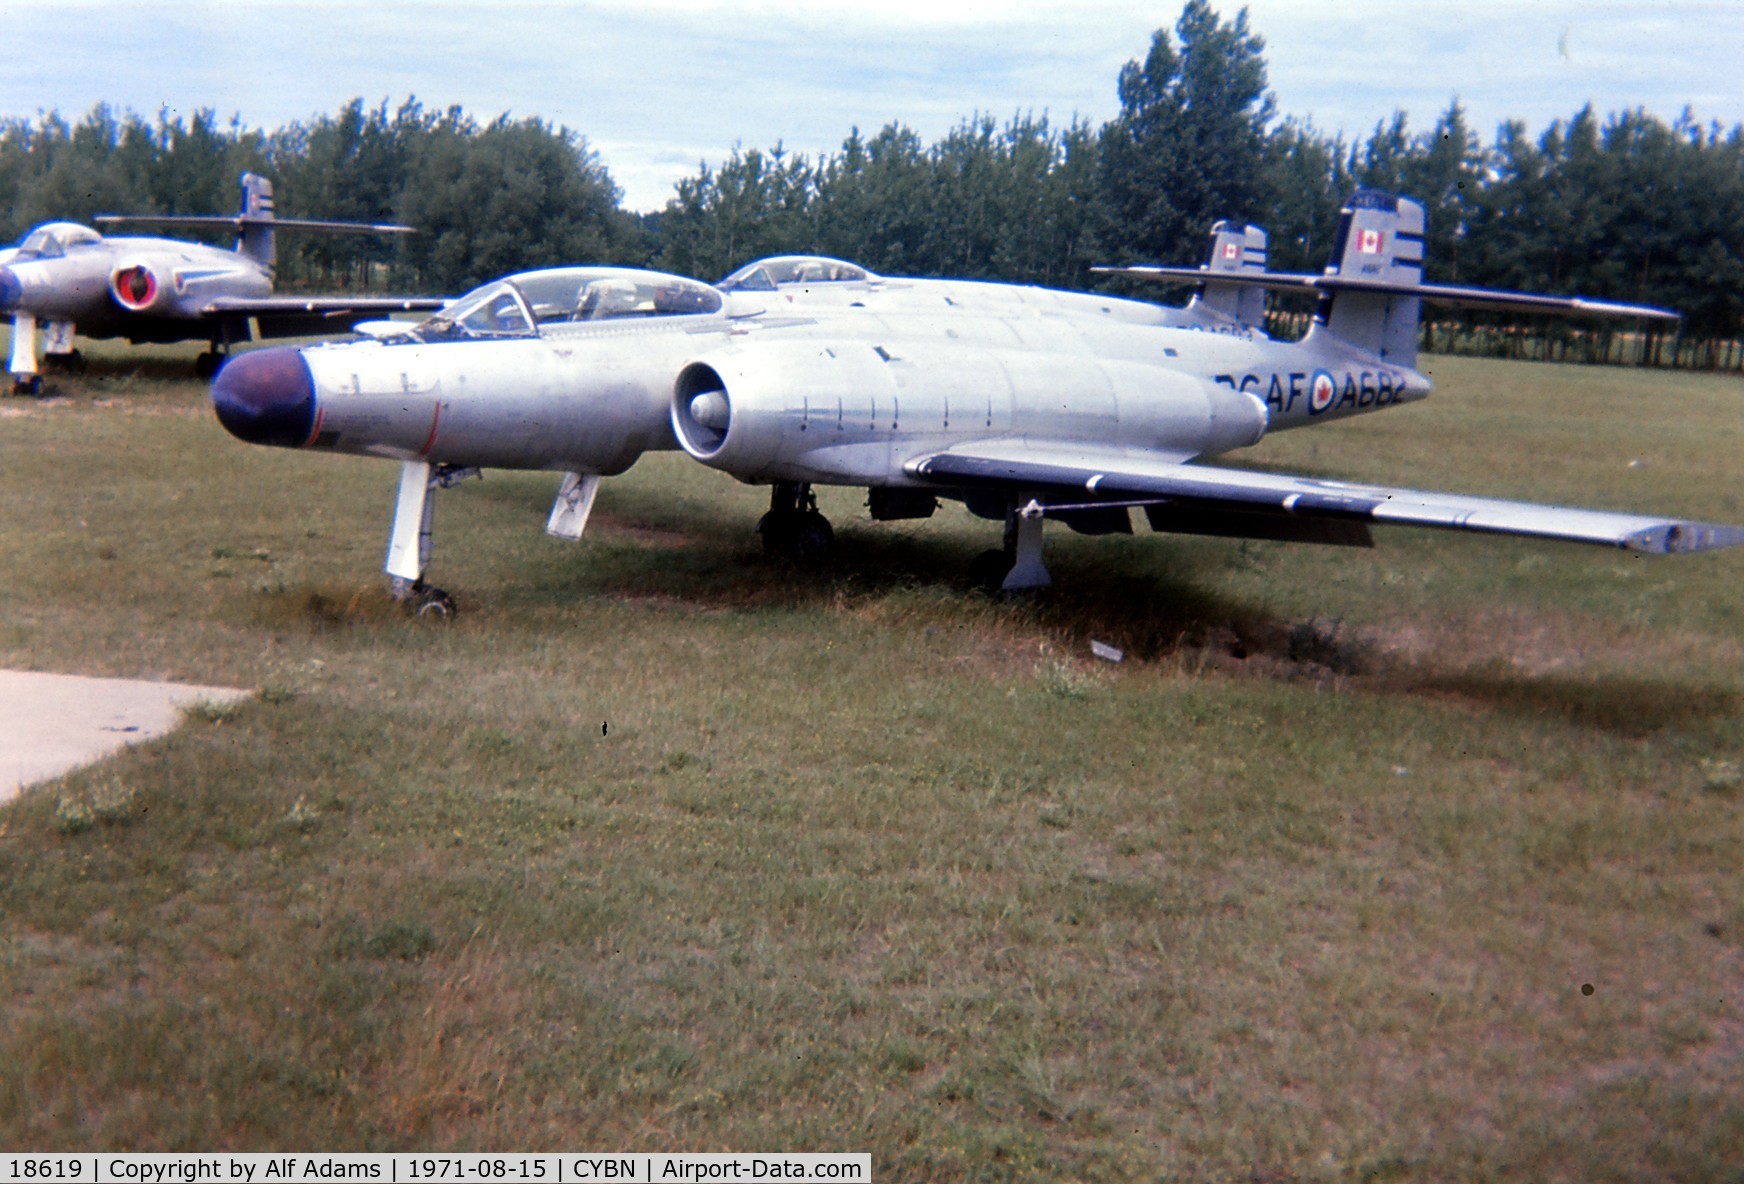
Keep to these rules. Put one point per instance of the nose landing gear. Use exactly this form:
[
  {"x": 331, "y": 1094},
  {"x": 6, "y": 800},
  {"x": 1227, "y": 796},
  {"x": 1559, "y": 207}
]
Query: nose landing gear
[{"x": 409, "y": 542}]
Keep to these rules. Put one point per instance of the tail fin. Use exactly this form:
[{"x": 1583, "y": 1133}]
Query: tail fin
[
  {"x": 255, "y": 223},
  {"x": 1372, "y": 291},
  {"x": 1235, "y": 247},
  {"x": 1380, "y": 243}
]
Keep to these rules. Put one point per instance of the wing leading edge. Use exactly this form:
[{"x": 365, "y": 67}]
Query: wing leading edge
[
  {"x": 297, "y": 316},
  {"x": 1458, "y": 297},
  {"x": 1185, "y": 490}
]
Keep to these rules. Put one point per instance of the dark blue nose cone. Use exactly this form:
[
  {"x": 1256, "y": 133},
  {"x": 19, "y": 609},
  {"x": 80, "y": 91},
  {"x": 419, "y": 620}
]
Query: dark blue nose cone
[
  {"x": 266, "y": 396},
  {"x": 11, "y": 291}
]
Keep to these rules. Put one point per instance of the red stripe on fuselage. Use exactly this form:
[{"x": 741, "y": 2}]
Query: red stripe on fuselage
[{"x": 430, "y": 440}]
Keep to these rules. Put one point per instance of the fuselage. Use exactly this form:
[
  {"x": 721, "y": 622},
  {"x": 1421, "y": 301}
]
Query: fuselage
[{"x": 833, "y": 390}]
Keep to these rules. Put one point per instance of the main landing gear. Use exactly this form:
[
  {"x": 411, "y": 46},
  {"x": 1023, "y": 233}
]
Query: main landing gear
[
  {"x": 793, "y": 529},
  {"x": 207, "y": 365},
  {"x": 1016, "y": 567}
]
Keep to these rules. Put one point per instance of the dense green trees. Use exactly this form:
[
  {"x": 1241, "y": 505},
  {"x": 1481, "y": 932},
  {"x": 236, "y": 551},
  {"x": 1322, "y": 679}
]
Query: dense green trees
[
  {"x": 486, "y": 199},
  {"x": 1623, "y": 206}
]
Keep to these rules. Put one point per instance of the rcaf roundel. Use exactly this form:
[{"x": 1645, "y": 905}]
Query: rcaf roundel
[{"x": 1322, "y": 390}]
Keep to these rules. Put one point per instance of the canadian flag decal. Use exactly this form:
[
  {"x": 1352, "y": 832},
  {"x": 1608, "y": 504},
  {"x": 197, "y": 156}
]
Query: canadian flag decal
[
  {"x": 1369, "y": 242},
  {"x": 1231, "y": 251}
]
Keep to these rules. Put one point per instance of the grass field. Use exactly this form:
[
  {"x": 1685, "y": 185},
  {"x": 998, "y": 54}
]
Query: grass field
[{"x": 1419, "y": 863}]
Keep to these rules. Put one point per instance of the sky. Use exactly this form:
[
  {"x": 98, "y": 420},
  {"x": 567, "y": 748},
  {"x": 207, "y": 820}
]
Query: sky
[{"x": 658, "y": 87}]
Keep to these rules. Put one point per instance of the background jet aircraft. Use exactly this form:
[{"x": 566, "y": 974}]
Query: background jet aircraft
[
  {"x": 64, "y": 278},
  {"x": 789, "y": 283},
  {"x": 1085, "y": 431},
  {"x": 1021, "y": 406}
]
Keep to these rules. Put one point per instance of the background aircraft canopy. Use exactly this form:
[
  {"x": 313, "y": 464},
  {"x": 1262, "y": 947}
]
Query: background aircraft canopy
[
  {"x": 766, "y": 274},
  {"x": 50, "y": 240},
  {"x": 519, "y": 304}
]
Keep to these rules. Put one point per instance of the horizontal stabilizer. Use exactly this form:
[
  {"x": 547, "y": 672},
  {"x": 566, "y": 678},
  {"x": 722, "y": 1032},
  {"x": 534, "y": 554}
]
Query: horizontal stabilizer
[
  {"x": 240, "y": 222},
  {"x": 1011, "y": 465},
  {"x": 1288, "y": 281}
]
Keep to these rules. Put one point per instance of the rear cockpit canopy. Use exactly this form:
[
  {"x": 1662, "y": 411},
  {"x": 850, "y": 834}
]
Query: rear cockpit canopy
[
  {"x": 51, "y": 240},
  {"x": 766, "y": 275},
  {"x": 521, "y": 305}
]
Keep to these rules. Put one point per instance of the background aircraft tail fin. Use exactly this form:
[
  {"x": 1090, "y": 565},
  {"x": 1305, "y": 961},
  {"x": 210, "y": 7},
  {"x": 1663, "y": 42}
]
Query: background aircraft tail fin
[
  {"x": 1379, "y": 247},
  {"x": 255, "y": 223},
  {"x": 1235, "y": 248}
]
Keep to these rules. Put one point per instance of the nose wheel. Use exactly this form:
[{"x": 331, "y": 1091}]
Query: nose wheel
[{"x": 430, "y": 604}]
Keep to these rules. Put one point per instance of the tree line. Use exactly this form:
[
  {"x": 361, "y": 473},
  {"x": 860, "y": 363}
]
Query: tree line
[{"x": 1623, "y": 206}]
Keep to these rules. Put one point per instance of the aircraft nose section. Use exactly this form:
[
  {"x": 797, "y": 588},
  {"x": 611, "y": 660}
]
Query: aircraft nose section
[
  {"x": 11, "y": 291},
  {"x": 267, "y": 396}
]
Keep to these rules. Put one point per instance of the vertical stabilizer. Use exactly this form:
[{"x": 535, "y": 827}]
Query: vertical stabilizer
[
  {"x": 1235, "y": 247},
  {"x": 1380, "y": 241},
  {"x": 257, "y": 240}
]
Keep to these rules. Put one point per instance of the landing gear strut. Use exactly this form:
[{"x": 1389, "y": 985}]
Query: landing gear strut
[
  {"x": 1016, "y": 567},
  {"x": 409, "y": 544},
  {"x": 793, "y": 528},
  {"x": 25, "y": 378}
]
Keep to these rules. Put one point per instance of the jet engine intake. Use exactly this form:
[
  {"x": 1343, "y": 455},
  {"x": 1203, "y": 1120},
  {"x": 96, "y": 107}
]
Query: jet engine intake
[
  {"x": 137, "y": 287},
  {"x": 702, "y": 411}
]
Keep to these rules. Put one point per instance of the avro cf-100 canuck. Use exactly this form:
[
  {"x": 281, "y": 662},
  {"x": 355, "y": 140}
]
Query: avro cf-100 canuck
[
  {"x": 1023, "y": 403},
  {"x": 64, "y": 278}
]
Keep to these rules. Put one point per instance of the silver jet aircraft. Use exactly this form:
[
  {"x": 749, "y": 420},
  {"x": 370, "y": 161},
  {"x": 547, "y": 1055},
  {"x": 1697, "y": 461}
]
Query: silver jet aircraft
[
  {"x": 1023, "y": 407},
  {"x": 572, "y": 369},
  {"x": 64, "y": 277}
]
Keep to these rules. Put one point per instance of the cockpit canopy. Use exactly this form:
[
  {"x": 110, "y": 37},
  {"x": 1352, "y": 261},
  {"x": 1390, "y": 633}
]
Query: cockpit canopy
[
  {"x": 766, "y": 275},
  {"x": 519, "y": 305},
  {"x": 51, "y": 240}
]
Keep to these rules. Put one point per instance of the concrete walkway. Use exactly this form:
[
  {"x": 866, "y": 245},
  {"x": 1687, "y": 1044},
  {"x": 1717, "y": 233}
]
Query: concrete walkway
[{"x": 51, "y": 724}]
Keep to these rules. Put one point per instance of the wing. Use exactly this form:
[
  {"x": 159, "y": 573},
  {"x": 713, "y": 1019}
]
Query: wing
[
  {"x": 1194, "y": 495},
  {"x": 296, "y": 316}
]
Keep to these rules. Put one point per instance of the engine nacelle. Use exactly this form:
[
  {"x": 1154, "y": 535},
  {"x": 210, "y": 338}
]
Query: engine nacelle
[
  {"x": 139, "y": 287},
  {"x": 758, "y": 414},
  {"x": 851, "y": 412}
]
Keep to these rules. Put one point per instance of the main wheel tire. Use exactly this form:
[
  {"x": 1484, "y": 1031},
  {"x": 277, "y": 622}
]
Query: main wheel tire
[
  {"x": 987, "y": 571},
  {"x": 813, "y": 538},
  {"x": 778, "y": 528}
]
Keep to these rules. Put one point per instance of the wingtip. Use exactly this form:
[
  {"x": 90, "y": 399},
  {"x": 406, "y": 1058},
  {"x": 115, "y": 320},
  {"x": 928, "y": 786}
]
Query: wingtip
[{"x": 1682, "y": 538}]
